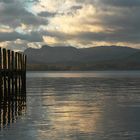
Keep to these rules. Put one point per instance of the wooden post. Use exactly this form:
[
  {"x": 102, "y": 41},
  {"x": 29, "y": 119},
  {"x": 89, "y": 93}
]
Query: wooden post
[
  {"x": 19, "y": 75},
  {"x": 12, "y": 72},
  {"x": 16, "y": 91},
  {"x": 5, "y": 68},
  {"x": 4, "y": 59},
  {"x": 12, "y": 85},
  {"x": 1, "y": 91},
  {"x": 0, "y": 59},
  {"x": 9, "y": 74}
]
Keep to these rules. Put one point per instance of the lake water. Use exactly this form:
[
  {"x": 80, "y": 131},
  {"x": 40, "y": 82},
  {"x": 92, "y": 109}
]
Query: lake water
[{"x": 96, "y": 105}]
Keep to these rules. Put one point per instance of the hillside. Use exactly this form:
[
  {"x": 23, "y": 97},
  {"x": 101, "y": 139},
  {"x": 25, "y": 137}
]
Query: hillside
[
  {"x": 134, "y": 57},
  {"x": 70, "y": 58}
]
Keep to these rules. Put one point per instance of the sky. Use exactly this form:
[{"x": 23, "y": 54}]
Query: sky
[{"x": 78, "y": 23}]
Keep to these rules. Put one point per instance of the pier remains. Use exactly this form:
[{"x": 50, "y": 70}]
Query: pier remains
[{"x": 12, "y": 85}]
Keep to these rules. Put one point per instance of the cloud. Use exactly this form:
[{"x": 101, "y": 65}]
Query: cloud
[
  {"x": 115, "y": 3},
  {"x": 98, "y": 21},
  {"x": 18, "y": 22},
  {"x": 80, "y": 23},
  {"x": 121, "y": 3},
  {"x": 46, "y": 14},
  {"x": 76, "y": 7},
  {"x": 12, "y": 36},
  {"x": 15, "y": 13}
]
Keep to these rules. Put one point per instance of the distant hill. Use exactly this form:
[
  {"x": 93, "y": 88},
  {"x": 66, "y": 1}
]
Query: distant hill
[
  {"x": 70, "y": 54},
  {"x": 135, "y": 57},
  {"x": 52, "y": 54},
  {"x": 70, "y": 58}
]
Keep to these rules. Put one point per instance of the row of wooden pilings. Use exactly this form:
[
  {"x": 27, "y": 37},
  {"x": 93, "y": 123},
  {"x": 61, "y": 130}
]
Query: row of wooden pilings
[{"x": 12, "y": 85}]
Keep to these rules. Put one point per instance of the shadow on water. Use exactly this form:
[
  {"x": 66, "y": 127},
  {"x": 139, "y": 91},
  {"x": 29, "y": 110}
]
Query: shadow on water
[{"x": 12, "y": 98}]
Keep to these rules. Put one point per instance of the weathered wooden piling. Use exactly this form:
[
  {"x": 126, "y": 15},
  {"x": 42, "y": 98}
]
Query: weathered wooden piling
[{"x": 12, "y": 85}]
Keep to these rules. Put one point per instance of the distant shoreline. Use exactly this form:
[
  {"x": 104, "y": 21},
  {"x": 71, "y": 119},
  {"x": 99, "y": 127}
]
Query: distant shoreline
[
  {"x": 94, "y": 67},
  {"x": 83, "y": 70}
]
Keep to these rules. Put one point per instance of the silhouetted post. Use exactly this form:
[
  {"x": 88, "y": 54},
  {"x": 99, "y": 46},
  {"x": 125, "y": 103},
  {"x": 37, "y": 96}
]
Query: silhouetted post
[
  {"x": 24, "y": 74},
  {"x": 1, "y": 93},
  {"x": 16, "y": 65},
  {"x": 12, "y": 88},
  {"x": 12, "y": 85},
  {"x": 9, "y": 84},
  {"x": 16, "y": 57},
  {"x": 5, "y": 68},
  {"x": 12, "y": 72},
  {"x": 9, "y": 74},
  {"x": 19, "y": 76}
]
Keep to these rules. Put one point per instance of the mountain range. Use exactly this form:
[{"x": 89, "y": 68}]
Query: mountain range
[{"x": 94, "y": 58}]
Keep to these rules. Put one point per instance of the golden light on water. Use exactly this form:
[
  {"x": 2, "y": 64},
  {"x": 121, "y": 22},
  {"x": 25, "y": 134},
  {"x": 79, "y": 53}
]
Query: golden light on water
[{"x": 69, "y": 115}]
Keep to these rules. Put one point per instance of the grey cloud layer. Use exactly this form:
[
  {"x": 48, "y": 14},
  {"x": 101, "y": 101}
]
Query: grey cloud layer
[
  {"x": 12, "y": 36},
  {"x": 14, "y": 13},
  {"x": 119, "y": 18},
  {"x": 120, "y": 3},
  {"x": 47, "y": 14}
]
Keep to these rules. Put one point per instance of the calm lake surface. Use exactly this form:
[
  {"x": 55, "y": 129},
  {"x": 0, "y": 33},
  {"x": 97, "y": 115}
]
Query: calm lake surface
[{"x": 96, "y": 105}]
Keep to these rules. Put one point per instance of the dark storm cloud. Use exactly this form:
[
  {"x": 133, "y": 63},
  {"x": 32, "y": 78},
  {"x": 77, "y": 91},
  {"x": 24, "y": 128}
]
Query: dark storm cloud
[
  {"x": 8, "y": 1},
  {"x": 47, "y": 14},
  {"x": 12, "y": 36},
  {"x": 71, "y": 11},
  {"x": 15, "y": 13},
  {"x": 121, "y": 18},
  {"x": 19, "y": 1},
  {"x": 109, "y": 37},
  {"x": 75, "y": 8},
  {"x": 121, "y": 3}
]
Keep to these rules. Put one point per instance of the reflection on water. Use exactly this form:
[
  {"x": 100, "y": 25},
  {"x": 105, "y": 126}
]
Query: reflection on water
[
  {"x": 12, "y": 100},
  {"x": 79, "y": 108},
  {"x": 76, "y": 74},
  {"x": 10, "y": 110}
]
